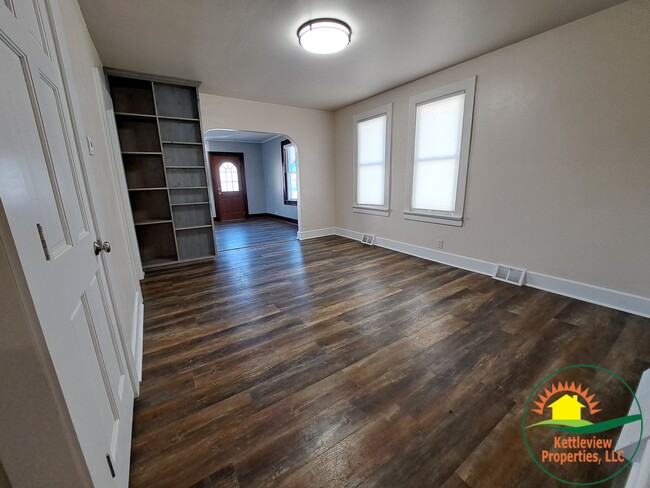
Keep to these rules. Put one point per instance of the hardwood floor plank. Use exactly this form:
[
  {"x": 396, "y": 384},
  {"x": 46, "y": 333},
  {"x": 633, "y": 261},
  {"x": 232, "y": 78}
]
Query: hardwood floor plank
[
  {"x": 429, "y": 458},
  {"x": 329, "y": 363},
  {"x": 485, "y": 464},
  {"x": 212, "y": 446},
  {"x": 455, "y": 481},
  {"x": 265, "y": 463},
  {"x": 252, "y": 232},
  {"x": 224, "y": 478},
  {"x": 353, "y": 459},
  {"x": 146, "y": 443}
]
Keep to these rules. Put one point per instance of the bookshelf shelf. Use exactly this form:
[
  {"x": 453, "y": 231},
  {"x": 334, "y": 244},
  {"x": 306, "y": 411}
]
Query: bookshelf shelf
[{"x": 160, "y": 135}]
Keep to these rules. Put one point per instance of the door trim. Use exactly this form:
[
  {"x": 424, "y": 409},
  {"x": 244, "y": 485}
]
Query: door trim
[
  {"x": 110, "y": 131},
  {"x": 213, "y": 181}
]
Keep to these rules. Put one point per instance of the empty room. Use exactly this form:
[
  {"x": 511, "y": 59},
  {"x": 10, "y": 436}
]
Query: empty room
[{"x": 265, "y": 243}]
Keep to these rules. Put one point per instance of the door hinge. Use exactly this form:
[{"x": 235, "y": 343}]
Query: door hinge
[
  {"x": 41, "y": 235},
  {"x": 110, "y": 465}
]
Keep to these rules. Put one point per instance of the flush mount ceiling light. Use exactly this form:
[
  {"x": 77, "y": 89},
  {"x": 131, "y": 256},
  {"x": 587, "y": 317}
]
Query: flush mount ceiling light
[{"x": 324, "y": 36}]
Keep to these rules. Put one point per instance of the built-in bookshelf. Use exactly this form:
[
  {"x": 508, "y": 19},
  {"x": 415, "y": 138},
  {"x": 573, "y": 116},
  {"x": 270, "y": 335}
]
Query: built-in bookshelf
[{"x": 160, "y": 135}]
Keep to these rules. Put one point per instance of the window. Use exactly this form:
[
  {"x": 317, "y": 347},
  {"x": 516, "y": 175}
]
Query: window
[
  {"x": 228, "y": 177},
  {"x": 372, "y": 161},
  {"x": 290, "y": 171},
  {"x": 440, "y": 132}
]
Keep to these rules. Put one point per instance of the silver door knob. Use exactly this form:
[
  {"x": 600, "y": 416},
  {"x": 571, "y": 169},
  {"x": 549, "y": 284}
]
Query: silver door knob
[{"x": 98, "y": 246}]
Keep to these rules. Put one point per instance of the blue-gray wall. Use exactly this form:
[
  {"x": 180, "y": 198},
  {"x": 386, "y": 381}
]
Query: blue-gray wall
[
  {"x": 272, "y": 158},
  {"x": 263, "y": 167},
  {"x": 254, "y": 169}
]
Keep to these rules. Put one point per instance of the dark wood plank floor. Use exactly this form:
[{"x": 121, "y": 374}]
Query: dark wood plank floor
[
  {"x": 330, "y": 363},
  {"x": 254, "y": 231}
]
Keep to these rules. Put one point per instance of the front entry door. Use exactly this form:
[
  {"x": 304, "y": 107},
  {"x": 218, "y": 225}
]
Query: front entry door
[
  {"x": 229, "y": 185},
  {"x": 44, "y": 199}
]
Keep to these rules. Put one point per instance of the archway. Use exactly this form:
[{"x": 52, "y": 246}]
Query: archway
[{"x": 254, "y": 180}]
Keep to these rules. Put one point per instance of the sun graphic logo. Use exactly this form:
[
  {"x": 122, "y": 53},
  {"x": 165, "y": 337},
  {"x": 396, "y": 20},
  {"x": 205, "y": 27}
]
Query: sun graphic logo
[
  {"x": 567, "y": 409},
  {"x": 575, "y": 445}
]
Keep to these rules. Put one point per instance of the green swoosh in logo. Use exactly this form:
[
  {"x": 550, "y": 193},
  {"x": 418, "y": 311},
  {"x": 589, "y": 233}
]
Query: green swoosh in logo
[{"x": 589, "y": 428}]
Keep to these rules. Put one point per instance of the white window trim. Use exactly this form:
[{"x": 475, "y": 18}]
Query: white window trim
[
  {"x": 381, "y": 210},
  {"x": 467, "y": 86}
]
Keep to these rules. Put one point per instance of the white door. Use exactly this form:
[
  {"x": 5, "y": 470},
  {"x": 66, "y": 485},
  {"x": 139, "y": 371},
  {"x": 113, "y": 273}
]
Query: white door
[{"x": 43, "y": 194}]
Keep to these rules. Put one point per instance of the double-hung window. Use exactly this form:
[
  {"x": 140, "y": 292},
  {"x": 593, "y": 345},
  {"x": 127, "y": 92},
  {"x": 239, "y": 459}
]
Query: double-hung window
[
  {"x": 439, "y": 134},
  {"x": 290, "y": 172},
  {"x": 372, "y": 161}
]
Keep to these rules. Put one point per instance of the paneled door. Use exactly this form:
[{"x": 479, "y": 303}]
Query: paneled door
[
  {"x": 229, "y": 185},
  {"x": 44, "y": 199}
]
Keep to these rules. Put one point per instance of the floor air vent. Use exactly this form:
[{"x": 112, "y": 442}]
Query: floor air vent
[
  {"x": 511, "y": 275},
  {"x": 368, "y": 239}
]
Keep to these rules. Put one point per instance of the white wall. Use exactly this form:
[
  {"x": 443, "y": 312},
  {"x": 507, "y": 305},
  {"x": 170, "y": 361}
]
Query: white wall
[
  {"x": 310, "y": 130},
  {"x": 253, "y": 169},
  {"x": 274, "y": 175},
  {"x": 559, "y": 171}
]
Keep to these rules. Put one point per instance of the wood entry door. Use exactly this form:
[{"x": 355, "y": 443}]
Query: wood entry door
[{"x": 229, "y": 185}]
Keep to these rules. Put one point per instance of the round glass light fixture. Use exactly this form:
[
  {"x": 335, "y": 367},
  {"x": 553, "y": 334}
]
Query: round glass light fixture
[{"x": 324, "y": 36}]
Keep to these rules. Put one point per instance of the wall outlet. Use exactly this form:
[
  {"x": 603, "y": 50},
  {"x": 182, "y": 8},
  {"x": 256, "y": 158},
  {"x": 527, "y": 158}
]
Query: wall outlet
[{"x": 440, "y": 243}]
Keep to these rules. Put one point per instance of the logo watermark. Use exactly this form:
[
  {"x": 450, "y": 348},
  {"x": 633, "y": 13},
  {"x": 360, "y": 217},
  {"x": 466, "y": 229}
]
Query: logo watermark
[{"x": 572, "y": 420}]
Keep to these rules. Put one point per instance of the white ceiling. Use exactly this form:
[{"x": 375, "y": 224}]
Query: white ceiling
[
  {"x": 249, "y": 49},
  {"x": 230, "y": 135}
]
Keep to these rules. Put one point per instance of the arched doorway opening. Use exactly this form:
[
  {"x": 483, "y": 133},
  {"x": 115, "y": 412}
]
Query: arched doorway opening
[{"x": 254, "y": 187}]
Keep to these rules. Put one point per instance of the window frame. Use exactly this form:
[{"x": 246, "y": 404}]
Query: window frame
[
  {"x": 380, "y": 210},
  {"x": 455, "y": 218},
  {"x": 221, "y": 180},
  {"x": 287, "y": 200}
]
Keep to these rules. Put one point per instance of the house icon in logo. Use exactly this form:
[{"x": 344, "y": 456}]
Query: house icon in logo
[{"x": 567, "y": 408}]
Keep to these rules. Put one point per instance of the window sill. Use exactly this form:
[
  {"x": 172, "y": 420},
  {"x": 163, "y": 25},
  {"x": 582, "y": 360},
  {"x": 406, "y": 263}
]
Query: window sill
[
  {"x": 291, "y": 202},
  {"x": 434, "y": 219},
  {"x": 381, "y": 212}
]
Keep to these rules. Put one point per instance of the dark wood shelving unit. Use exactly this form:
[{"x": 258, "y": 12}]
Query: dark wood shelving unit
[{"x": 159, "y": 127}]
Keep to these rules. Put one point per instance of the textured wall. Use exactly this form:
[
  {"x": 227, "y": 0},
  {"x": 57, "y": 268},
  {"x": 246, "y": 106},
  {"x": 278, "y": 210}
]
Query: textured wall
[
  {"x": 312, "y": 132},
  {"x": 559, "y": 171},
  {"x": 253, "y": 168}
]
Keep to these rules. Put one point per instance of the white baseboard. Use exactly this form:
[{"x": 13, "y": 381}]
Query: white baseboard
[
  {"x": 455, "y": 260},
  {"x": 350, "y": 234},
  {"x": 582, "y": 291},
  {"x": 590, "y": 293},
  {"x": 312, "y": 234}
]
